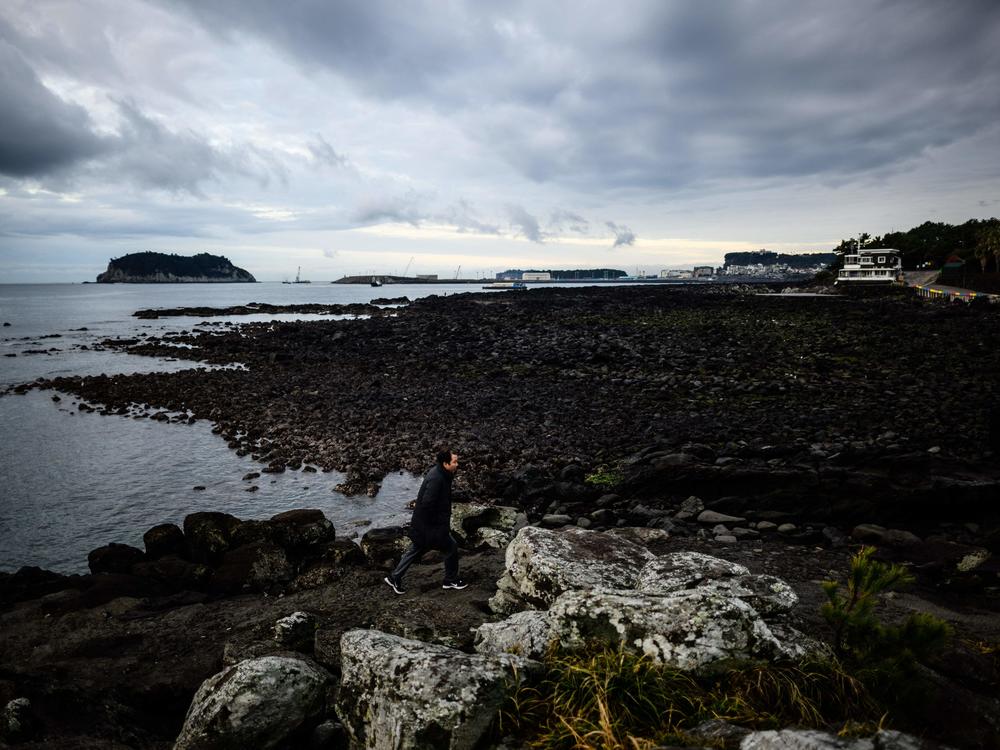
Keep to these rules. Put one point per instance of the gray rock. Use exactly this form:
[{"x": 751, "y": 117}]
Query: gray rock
[
  {"x": 542, "y": 564},
  {"x": 469, "y": 520},
  {"x": 583, "y": 522},
  {"x": 712, "y": 517},
  {"x": 490, "y": 537},
  {"x": 868, "y": 532},
  {"x": 296, "y": 529},
  {"x": 383, "y": 547},
  {"x": 726, "y": 539},
  {"x": 718, "y": 731},
  {"x": 811, "y": 739},
  {"x": 766, "y": 594},
  {"x": 114, "y": 558},
  {"x": 900, "y": 538},
  {"x": 555, "y": 520},
  {"x": 296, "y": 632},
  {"x": 684, "y": 570},
  {"x": 164, "y": 539},
  {"x": 17, "y": 723},
  {"x": 402, "y": 694},
  {"x": 693, "y": 505},
  {"x": 787, "y": 528},
  {"x": 208, "y": 535},
  {"x": 699, "y": 630},
  {"x": 766, "y": 526},
  {"x": 257, "y": 703},
  {"x": 253, "y": 567},
  {"x": 640, "y": 536},
  {"x": 525, "y": 633}
]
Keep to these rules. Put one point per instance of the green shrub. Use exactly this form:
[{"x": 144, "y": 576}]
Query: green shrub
[
  {"x": 858, "y": 635},
  {"x": 603, "y": 476}
]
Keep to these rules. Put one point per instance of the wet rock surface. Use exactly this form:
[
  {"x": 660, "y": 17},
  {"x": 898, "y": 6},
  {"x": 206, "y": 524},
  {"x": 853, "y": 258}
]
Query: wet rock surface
[
  {"x": 719, "y": 402},
  {"x": 759, "y": 382}
]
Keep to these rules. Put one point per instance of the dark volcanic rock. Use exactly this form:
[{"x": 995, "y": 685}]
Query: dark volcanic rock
[
  {"x": 164, "y": 539},
  {"x": 296, "y": 529},
  {"x": 208, "y": 535},
  {"x": 114, "y": 558},
  {"x": 252, "y": 567}
]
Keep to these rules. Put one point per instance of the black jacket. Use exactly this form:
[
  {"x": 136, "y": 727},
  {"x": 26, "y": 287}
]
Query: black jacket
[{"x": 431, "y": 520}]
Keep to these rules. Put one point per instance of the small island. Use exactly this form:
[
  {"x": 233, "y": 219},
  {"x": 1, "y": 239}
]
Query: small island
[{"x": 163, "y": 268}]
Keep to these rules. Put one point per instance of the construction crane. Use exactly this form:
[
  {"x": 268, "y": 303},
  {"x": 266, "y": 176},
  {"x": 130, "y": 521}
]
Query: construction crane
[
  {"x": 458, "y": 272},
  {"x": 407, "y": 269}
]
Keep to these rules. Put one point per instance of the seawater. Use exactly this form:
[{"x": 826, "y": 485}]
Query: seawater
[{"x": 72, "y": 481}]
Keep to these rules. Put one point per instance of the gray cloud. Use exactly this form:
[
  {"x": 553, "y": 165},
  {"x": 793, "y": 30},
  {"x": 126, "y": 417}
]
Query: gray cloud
[
  {"x": 623, "y": 235},
  {"x": 39, "y": 132},
  {"x": 324, "y": 154},
  {"x": 463, "y": 217},
  {"x": 403, "y": 208},
  {"x": 524, "y": 224},
  {"x": 561, "y": 220},
  {"x": 666, "y": 95}
]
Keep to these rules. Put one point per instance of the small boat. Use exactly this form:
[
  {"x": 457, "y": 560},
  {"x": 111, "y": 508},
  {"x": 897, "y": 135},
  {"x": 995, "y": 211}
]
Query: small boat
[
  {"x": 298, "y": 279},
  {"x": 375, "y": 282},
  {"x": 506, "y": 285}
]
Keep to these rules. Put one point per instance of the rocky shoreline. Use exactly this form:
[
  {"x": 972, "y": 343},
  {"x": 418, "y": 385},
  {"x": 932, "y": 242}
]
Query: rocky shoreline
[{"x": 776, "y": 432}]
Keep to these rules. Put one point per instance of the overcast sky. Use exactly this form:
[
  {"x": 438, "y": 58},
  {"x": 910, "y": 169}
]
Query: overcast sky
[{"x": 348, "y": 137}]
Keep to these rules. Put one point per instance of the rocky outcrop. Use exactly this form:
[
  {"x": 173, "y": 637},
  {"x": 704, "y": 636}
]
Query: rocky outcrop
[
  {"x": 688, "y": 610},
  {"x": 402, "y": 694},
  {"x": 542, "y": 564},
  {"x": 695, "y": 631},
  {"x": 258, "y": 703},
  {"x": 161, "y": 268}
]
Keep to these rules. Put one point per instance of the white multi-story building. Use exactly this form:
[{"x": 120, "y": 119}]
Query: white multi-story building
[{"x": 883, "y": 266}]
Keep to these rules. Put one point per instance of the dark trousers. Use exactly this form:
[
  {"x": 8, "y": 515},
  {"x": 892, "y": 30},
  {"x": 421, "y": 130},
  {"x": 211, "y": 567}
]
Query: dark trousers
[{"x": 415, "y": 552}]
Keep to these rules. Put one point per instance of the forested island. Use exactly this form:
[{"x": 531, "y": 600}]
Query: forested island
[{"x": 163, "y": 268}]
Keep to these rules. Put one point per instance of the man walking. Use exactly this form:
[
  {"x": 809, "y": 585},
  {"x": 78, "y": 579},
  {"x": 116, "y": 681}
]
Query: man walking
[{"x": 430, "y": 527}]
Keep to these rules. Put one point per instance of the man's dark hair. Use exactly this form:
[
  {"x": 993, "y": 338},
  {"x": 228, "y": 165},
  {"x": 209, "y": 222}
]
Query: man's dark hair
[{"x": 444, "y": 457}]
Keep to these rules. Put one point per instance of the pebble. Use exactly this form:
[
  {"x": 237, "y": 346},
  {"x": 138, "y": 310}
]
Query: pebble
[
  {"x": 711, "y": 516},
  {"x": 787, "y": 528}
]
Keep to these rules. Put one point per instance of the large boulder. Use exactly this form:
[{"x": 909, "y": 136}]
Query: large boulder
[
  {"x": 681, "y": 571},
  {"x": 383, "y": 547},
  {"x": 164, "y": 539},
  {"x": 179, "y": 573},
  {"x": 684, "y": 570},
  {"x": 298, "y": 530},
  {"x": 399, "y": 693},
  {"x": 209, "y": 535},
  {"x": 253, "y": 567},
  {"x": 258, "y": 703},
  {"x": 114, "y": 558},
  {"x": 541, "y": 564},
  {"x": 527, "y": 633},
  {"x": 699, "y": 630}
]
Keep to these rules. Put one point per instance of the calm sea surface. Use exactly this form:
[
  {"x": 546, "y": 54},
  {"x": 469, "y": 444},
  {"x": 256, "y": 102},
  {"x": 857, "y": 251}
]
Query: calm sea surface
[{"x": 73, "y": 481}]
